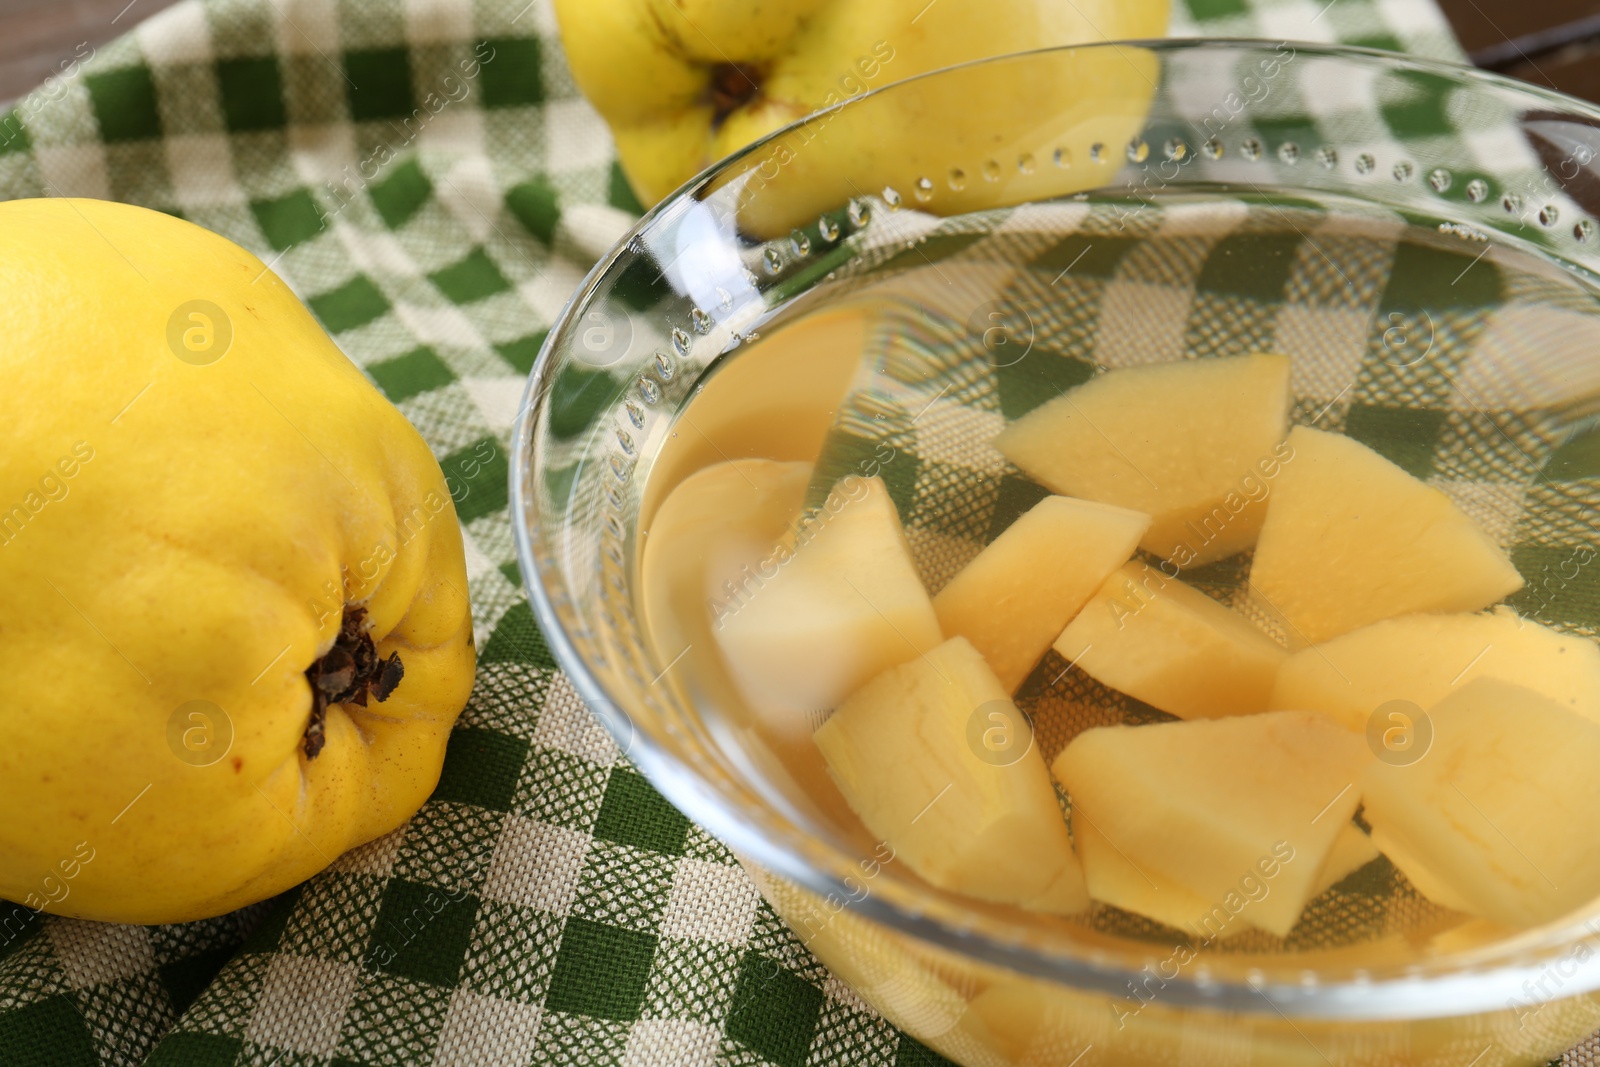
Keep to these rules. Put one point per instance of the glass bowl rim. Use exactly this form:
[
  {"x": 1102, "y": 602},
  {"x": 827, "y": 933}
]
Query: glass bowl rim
[{"x": 1423, "y": 991}]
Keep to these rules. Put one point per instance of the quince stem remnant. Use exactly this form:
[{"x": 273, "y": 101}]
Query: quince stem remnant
[
  {"x": 346, "y": 674},
  {"x": 733, "y": 85}
]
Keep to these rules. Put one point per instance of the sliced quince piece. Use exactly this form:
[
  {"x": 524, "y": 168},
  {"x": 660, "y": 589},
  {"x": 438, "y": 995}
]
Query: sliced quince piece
[
  {"x": 1498, "y": 816},
  {"x": 1351, "y": 539},
  {"x": 908, "y": 754},
  {"x": 1219, "y": 805},
  {"x": 1352, "y": 850},
  {"x": 1424, "y": 658},
  {"x": 1417, "y": 873},
  {"x": 1013, "y": 598},
  {"x": 1171, "y": 646},
  {"x": 776, "y": 401},
  {"x": 1114, "y": 879},
  {"x": 1065, "y": 895},
  {"x": 716, "y": 527},
  {"x": 1189, "y": 443},
  {"x": 1465, "y": 935},
  {"x": 840, "y": 606}
]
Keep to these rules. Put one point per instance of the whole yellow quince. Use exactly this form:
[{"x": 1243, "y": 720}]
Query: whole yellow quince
[
  {"x": 684, "y": 83},
  {"x": 234, "y": 629}
]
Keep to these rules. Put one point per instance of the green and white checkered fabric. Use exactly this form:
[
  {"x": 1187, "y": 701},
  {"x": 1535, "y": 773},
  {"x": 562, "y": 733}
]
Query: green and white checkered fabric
[
  {"x": 426, "y": 175},
  {"x": 1394, "y": 25}
]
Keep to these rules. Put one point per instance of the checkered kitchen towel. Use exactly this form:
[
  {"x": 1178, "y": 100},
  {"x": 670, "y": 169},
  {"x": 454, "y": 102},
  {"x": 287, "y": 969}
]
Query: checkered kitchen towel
[{"x": 571, "y": 914}]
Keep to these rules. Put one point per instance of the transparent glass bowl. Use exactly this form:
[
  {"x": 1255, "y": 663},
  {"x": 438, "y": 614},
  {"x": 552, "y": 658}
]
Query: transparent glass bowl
[{"x": 780, "y": 229}]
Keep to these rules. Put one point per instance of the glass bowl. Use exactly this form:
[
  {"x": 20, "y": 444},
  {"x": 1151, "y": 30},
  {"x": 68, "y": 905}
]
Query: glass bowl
[{"x": 1112, "y": 204}]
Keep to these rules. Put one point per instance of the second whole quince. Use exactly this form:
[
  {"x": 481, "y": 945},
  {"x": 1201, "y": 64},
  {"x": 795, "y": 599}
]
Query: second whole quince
[{"x": 683, "y": 84}]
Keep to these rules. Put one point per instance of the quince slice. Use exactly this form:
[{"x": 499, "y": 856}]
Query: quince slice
[
  {"x": 1013, "y": 598},
  {"x": 817, "y": 620},
  {"x": 1171, "y": 646},
  {"x": 1425, "y": 658},
  {"x": 908, "y": 751},
  {"x": 1216, "y": 806},
  {"x": 1351, "y": 539},
  {"x": 1496, "y": 817},
  {"x": 1194, "y": 444}
]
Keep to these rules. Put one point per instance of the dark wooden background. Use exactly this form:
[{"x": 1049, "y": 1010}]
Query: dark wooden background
[
  {"x": 37, "y": 36},
  {"x": 1555, "y": 43},
  {"x": 1552, "y": 42}
]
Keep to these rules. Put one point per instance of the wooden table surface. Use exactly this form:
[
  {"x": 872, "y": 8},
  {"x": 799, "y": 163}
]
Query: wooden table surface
[
  {"x": 37, "y": 36},
  {"x": 1555, "y": 43},
  {"x": 1551, "y": 42}
]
